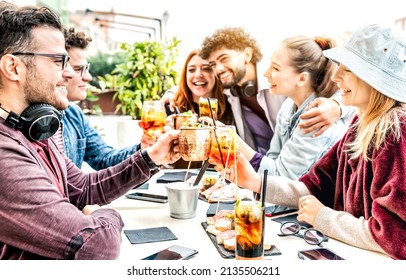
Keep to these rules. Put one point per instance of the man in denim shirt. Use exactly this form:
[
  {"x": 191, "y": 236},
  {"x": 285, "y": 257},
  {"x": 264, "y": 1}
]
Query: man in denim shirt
[{"x": 77, "y": 138}]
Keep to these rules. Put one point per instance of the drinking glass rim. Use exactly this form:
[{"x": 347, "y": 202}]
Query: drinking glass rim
[{"x": 196, "y": 128}]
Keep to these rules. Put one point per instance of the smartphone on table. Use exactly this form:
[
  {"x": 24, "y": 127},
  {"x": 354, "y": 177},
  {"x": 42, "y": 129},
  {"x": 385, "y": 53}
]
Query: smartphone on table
[
  {"x": 148, "y": 197},
  {"x": 318, "y": 254},
  {"x": 276, "y": 209},
  {"x": 174, "y": 252}
]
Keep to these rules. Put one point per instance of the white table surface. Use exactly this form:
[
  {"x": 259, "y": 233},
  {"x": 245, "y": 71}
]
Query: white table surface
[{"x": 138, "y": 214}]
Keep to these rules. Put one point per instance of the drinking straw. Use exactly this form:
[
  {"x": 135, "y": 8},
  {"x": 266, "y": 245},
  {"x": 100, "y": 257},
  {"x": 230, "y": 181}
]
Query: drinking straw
[
  {"x": 263, "y": 191},
  {"x": 201, "y": 172},
  {"x": 177, "y": 110},
  {"x": 206, "y": 162},
  {"x": 215, "y": 135},
  {"x": 187, "y": 170},
  {"x": 263, "y": 194},
  {"x": 221, "y": 153}
]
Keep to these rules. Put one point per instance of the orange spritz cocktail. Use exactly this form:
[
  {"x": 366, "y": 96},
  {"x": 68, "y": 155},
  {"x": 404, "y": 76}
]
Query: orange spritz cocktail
[
  {"x": 153, "y": 118},
  {"x": 204, "y": 108},
  {"x": 224, "y": 145}
]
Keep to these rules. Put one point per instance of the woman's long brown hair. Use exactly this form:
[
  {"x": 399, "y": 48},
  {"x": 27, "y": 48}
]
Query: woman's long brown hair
[{"x": 184, "y": 96}]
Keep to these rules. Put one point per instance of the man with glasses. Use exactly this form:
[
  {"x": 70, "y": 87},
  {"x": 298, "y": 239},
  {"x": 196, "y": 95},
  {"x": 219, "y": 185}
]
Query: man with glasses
[
  {"x": 76, "y": 137},
  {"x": 49, "y": 207}
]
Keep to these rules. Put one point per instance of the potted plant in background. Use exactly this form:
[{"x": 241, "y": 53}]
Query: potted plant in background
[
  {"x": 101, "y": 89},
  {"x": 149, "y": 69}
]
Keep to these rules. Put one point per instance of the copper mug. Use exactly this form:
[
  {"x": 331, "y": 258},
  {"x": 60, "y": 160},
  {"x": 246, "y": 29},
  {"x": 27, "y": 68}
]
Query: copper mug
[{"x": 195, "y": 143}]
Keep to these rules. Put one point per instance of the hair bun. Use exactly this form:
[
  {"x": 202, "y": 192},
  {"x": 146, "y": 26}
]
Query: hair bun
[{"x": 323, "y": 43}]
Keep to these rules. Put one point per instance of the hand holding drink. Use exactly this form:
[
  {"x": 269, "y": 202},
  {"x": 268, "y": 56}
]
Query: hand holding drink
[
  {"x": 153, "y": 118},
  {"x": 223, "y": 146}
]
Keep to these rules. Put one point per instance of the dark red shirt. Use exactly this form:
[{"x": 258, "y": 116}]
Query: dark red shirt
[{"x": 38, "y": 221}]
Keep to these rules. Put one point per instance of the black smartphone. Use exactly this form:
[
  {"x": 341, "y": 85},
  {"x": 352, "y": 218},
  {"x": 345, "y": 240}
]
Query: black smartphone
[
  {"x": 318, "y": 254},
  {"x": 276, "y": 209},
  {"x": 174, "y": 252},
  {"x": 148, "y": 197}
]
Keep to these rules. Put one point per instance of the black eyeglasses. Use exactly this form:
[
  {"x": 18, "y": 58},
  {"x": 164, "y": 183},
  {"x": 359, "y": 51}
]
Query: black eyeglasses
[
  {"x": 60, "y": 59},
  {"x": 311, "y": 236},
  {"x": 81, "y": 68}
]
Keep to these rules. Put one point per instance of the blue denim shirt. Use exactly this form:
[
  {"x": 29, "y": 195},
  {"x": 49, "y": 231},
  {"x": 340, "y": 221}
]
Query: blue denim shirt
[
  {"x": 292, "y": 152},
  {"x": 83, "y": 143}
]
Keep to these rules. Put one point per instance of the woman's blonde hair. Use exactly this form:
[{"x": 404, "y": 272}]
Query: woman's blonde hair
[{"x": 381, "y": 119}]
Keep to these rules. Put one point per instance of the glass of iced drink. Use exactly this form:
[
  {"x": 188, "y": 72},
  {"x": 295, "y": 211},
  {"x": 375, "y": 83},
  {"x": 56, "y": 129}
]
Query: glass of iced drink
[
  {"x": 204, "y": 108},
  {"x": 224, "y": 145},
  {"x": 186, "y": 119},
  {"x": 249, "y": 228},
  {"x": 153, "y": 118}
]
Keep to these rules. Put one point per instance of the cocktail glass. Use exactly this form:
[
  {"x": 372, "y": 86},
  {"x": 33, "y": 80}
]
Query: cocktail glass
[
  {"x": 185, "y": 120},
  {"x": 204, "y": 108},
  {"x": 153, "y": 118},
  {"x": 249, "y": 229},
  {"x": 224, "y": 145}
]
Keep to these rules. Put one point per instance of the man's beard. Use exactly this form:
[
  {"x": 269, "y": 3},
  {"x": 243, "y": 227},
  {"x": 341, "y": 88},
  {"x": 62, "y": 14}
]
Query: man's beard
[
  {"x": 239, "y": 74},
  {"x": 40, "y": 91}
]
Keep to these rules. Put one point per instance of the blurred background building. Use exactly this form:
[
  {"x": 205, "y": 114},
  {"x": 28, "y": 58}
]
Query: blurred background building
[{"x": 112, "y": 22}]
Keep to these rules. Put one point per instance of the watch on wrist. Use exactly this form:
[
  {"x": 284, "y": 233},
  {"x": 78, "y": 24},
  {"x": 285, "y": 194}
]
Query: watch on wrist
[{"x": 152, "y": 166}]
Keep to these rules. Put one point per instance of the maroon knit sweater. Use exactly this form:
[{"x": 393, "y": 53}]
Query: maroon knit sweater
[{"x": 375, "y": 190}]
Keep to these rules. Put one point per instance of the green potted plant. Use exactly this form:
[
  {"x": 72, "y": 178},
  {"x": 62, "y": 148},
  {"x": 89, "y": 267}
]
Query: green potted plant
[
  {"x": 148, "y": 71},
  {"x": 99, "y": 96}
]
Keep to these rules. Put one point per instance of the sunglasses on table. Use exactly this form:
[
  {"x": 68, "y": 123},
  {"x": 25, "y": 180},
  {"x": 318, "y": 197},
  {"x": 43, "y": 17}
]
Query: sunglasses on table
[
  {"x": 310, "y": 235},
  {"x": 60, "y": 59}
]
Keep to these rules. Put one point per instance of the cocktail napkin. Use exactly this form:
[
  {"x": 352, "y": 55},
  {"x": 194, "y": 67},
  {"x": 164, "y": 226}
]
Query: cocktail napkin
[
  {"x": 148, "y": 235},
  {"x": 211, "y": 211},
  {"x": 178, "y": 176},
  {"x": 144, "y": 186}
]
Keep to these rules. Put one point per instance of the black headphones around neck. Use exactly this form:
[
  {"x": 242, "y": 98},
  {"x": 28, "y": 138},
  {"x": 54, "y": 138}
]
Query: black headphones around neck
[
  {"x": 37, "y": 122},
  {"x": 247, "y": 89}
]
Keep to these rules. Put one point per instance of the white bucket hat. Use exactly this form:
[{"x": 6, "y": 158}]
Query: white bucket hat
[{"x": 377, "y": 56}]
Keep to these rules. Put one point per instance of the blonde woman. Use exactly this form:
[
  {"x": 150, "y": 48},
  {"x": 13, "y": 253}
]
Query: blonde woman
[
  {"x": 298, "y": 71},
  {"x": 356, "y": 193}
]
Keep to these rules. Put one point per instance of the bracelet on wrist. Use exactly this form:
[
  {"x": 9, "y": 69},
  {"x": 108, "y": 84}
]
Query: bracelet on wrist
[{"x": 148, "y": 160}]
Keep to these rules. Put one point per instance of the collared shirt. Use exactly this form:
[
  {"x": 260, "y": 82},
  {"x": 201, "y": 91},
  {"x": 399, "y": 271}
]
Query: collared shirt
[
  {"x": 83, "y": 143},
  {"x": 292, "y": 152},
  {"x": 50, "y": 162},
  {"x": 269, "y": 103},
  {"x": 38, "y": 222},
  {"x": 59, "y": 139}
]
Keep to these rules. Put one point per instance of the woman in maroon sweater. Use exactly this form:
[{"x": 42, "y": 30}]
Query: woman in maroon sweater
[{"x": 356, "y": 193}]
